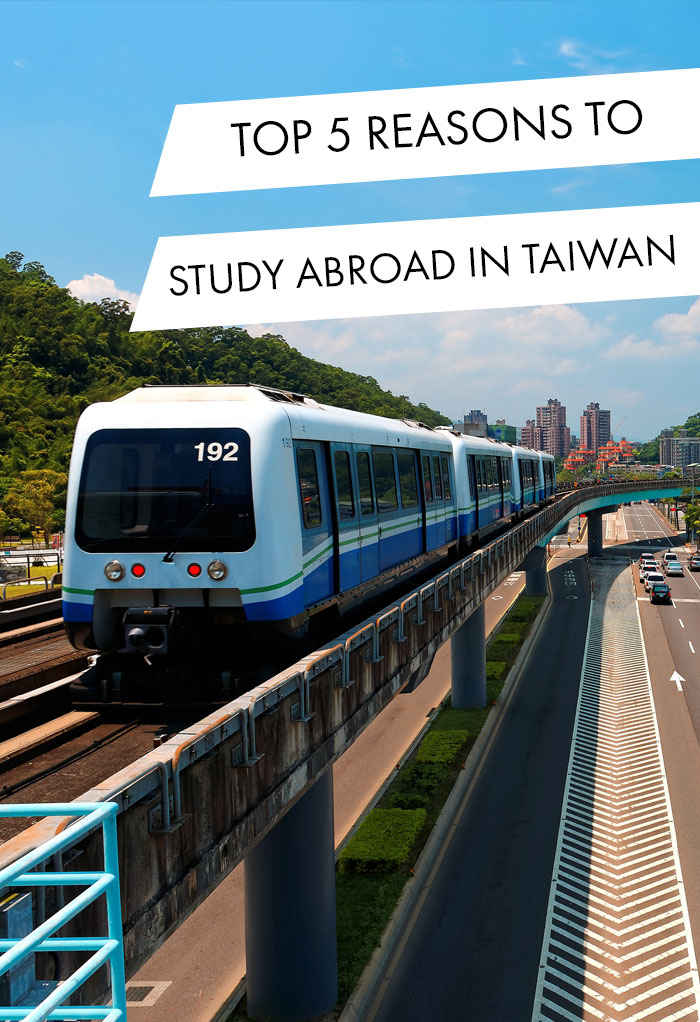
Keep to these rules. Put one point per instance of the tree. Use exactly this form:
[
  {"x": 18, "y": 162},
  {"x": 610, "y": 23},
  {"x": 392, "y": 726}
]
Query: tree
[
  {"x": 35, "y": 498},
  {"x": 35, "y": 271},
  {"x": 15, "y": 259},
  {"x": 692, "y": 517}
]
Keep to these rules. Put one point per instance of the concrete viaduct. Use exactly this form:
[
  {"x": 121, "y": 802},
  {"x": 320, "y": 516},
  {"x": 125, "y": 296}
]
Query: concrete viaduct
[{"x": 253, "y": 778}]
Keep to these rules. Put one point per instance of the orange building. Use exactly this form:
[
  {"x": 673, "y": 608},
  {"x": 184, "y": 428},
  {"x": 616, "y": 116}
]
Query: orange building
[
  {"x": 621, "y": 453},
  {"x": 578, "y": 458}
]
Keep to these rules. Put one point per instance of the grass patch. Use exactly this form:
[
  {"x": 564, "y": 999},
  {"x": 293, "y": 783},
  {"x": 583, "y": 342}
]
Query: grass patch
[{"x": 364, "y": 904}]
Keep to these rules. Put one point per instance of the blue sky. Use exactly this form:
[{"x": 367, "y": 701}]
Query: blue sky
[{"x": 87, "y": 90}]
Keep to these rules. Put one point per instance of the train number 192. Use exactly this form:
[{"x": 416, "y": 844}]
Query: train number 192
[{"x": 217, "y": 452}]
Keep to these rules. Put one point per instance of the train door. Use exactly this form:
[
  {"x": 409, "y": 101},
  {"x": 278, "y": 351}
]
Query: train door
[
  {"x": 440, "y": 510},
  {"x": 447, "y": 492},
  {"x": 500, "y": 464},
  {"x": 389, "y": 512},
  {"x": 316, "y": 521},
  {"x": 412, "y": 526},
  {"x": 428, "y": 503},
  {"x": 346, "y": 518},
  {"x": 473, "y": 494},
  {"x": 368, "y": 524}
]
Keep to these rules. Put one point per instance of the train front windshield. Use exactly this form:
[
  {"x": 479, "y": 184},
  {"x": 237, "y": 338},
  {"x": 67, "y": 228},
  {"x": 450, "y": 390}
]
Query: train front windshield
[{"x": 145, "y": 490}]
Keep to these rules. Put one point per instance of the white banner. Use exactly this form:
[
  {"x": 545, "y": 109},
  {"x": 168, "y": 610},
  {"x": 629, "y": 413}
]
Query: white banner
[
  {"x": 431, "y": 132},
  {"x": 422, "y": 266}
]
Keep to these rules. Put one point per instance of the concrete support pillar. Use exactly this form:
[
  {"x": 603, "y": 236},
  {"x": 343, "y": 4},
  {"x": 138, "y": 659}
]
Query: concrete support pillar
[
  {"x": 535, "y": 565},
  {"x": 468, "y": 648},
  {"x": 595, "y": 534},
  {"x": 291, "y": 961}
]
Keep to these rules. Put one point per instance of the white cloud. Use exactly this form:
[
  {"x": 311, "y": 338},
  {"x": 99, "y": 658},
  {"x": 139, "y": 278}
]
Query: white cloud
[
  {"x": 94, "y": 287},
  {"x": 632, "y": 348},
  {"x": 19, "y": 63},
  {"x": 518, "y": 59},
  {"x": 569, "y": 186},
  {"x": 458, "y": 360},
  {"x": 678, "y": 324},
  {"x": 587, "y": 58},
  {"x": 628, "y": 398}
]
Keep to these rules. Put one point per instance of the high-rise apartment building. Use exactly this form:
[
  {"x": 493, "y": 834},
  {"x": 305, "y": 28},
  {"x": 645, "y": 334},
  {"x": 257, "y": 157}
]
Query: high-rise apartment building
[
  {"x": 595, "y": 427},
  {"x": 679, "y": 451},
  {"x": 548, "y": 431},
  {"x": 556, "y": 436},
  {"x": 532, "y": 435}
]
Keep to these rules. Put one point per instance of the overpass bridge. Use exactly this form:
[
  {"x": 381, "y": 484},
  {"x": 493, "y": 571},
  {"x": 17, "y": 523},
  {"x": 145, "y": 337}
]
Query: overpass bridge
[{"x": 253, "y": 779}]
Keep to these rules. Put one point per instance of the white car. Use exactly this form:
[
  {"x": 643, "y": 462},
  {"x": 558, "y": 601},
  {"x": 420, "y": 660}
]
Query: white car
[
  {"x": 670, "y": 555},
  {"x": 650, "y": 577},
  {"x": 648, "y": 565}
]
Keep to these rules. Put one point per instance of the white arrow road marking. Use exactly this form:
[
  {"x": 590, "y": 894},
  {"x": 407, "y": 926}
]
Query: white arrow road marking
[
  {"x": 617, "y": 942},
  {"x": 678, "y": 678},
  {"x": 496, "y": 597}
]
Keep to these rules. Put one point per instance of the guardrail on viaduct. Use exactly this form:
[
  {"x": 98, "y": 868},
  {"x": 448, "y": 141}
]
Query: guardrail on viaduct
[{"x": 189, "y": 810}]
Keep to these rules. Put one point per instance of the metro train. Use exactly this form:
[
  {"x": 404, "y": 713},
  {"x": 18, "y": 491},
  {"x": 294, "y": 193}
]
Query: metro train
[{"x": 211, "y": 518}]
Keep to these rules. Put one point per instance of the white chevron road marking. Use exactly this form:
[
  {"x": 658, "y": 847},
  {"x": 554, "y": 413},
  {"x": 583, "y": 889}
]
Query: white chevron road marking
[{"x": 617, "y": 942}]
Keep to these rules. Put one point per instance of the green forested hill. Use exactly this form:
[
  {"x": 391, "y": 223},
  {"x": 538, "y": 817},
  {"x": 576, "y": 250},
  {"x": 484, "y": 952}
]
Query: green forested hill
[{"x": 58, "y": 354}]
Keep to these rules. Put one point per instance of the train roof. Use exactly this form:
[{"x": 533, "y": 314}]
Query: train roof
[{"x": 307, "y": 416}]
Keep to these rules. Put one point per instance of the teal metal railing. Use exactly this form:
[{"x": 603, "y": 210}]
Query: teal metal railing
[{"x": 103, "y": 950}]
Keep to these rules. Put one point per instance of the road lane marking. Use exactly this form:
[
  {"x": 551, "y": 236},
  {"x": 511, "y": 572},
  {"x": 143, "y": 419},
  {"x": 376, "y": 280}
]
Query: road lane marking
[
  {"x": 678, "y": 678},
  {"x": 617, "y": 941},
  {"x": 692, "y": 647},
  {"x": 681, "y": 623}
]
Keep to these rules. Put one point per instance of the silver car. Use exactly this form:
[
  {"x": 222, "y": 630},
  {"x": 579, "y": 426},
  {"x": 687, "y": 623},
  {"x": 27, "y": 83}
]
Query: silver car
[{"x": 673, "y": 568}]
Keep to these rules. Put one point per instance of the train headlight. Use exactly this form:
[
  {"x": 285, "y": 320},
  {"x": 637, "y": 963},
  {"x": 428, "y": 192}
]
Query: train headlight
[
  {"x": 217, "y": 570},
  {"x": 114, "y": 571}
]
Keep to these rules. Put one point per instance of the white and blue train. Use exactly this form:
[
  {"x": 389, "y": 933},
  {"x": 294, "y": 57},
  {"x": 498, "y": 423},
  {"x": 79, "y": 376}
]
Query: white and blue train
[{"x": 193, "y": 511}]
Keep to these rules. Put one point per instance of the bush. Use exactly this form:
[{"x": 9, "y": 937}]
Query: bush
[
  {"x": 383, "y": 841},
  {"x": 495, "y": 669},
  {"x": 441, "y": 746},
  {"x": 504, "y": 647},
  {"x": 524, "y": 609},
  {"x": 416, "y": 784}
]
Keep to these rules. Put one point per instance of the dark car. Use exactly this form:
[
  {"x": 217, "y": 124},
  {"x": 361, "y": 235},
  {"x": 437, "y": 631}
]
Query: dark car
[
  {"x": 660, "y": 592},
  {"x": 694, "y": 563}
]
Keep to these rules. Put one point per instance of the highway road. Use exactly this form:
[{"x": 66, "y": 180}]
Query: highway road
[
  {"x": 672, "y": 640},
  {"x": 473, "y": 951}
]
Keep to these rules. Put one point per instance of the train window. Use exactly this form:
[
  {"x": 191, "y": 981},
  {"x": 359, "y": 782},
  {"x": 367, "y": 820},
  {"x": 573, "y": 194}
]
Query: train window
[
  {"x": 145, "y": 490},
  {"x": 436, "y": 478},
  {"x": 385, "y": 480},
  {"x": 308, "y": 488},
  {"x": 446, "y": 479},
  {"x": 406, "y": 461},
  {"x": 472, "y": 476},
  {"x": 364, "y": 481},
  {"x": 343, "y": 483},
  {"x": 427, "y": 482}
]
